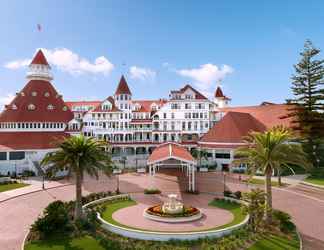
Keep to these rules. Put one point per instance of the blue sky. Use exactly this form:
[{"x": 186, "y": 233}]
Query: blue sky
[{"x": 160, "y": 45}]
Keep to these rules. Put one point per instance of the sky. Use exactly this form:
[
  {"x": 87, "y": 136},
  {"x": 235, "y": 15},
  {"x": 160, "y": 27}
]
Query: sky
[{"x": 247, "y": 47}]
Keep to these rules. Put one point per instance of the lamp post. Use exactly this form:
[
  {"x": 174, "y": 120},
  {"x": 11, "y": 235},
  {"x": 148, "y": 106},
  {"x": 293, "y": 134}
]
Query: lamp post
[{"x": 224, "y": 181}]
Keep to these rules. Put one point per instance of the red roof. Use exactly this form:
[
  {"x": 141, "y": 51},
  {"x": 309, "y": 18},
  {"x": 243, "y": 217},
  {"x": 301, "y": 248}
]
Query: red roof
[
  {"x": 146, "y": 104},
  {"x": 198, "y": 95},
  {"x": 219, "y": 92},
  {"x": 270, "y": 114},
  {"x": 122, "y": 87},
  {"x": 30, "y": 140},
  {"x": 114, "y": 108},
  {"x": 39, "y": 58},
  {"x": 170, "y": 151},
  {"x": 72, "y": 104},
  {"x": 40, "y": 94},
  {"x": 232, "y": 128}
]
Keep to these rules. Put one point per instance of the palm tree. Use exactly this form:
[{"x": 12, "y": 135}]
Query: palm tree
[
  {"x": 79, "y": 155},
  {"x": 199, "y": 154},
  {"x": 268, "y": 151}
]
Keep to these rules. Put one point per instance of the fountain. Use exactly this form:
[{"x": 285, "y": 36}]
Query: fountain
[{"x": 172, "y": 211}]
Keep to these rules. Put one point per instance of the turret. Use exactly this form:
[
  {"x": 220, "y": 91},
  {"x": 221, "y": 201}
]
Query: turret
[
  {"x": 220, "y": 99},
  {"x": 39, "y": 69}
]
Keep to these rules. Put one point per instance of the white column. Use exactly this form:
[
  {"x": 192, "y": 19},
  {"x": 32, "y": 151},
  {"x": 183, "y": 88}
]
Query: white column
[
  {"x": 189, "y": 176},
  {"x": 193, "y": 178}
]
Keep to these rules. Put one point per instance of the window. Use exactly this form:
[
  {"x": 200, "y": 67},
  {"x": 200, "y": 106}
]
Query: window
[
  {"x": 187, "y": 106},
  {"x": 46, "y": 94},
  {"x": 31, "y": 107},
  {"x": 34, "y": 93},
  {"x": 223, "y": 155},
  {"x": 172, "y": 126},
  {"x": 164, "y": 115},
  {"x": 50, "y": 107},
  {"x": 3, "y": 156},
  {"x": 172, "y": 115},
  {"x": 17, "y": 155}
]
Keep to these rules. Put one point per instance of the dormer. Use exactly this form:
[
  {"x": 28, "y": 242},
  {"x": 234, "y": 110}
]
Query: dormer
[{"x": 106, "y": 105}]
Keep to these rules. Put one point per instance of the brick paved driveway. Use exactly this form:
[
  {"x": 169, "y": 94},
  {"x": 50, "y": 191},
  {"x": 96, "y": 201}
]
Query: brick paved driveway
[{"x": 18, "y": 214}]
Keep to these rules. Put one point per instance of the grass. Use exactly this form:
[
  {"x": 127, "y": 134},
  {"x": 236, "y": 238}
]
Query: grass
[
  {"x": 315, "y": 180},
  {"x": 113, "y": 207},
  {"x": 261, "y": 182},
  {"x": 275, "y": 242},
  {"x": 11, "y": 186},
  {"x": 232, "y": 207},
  {"x": 82, "y": 243}
]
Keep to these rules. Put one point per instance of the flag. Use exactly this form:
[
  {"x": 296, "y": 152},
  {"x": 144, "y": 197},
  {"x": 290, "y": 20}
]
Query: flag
[{"x": 39, "y": 27}]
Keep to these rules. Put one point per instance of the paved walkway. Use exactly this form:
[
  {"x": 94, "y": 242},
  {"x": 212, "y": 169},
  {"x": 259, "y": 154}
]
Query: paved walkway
[
  {"x": 212, "y": 217},
  {"x": 306, "y": 206}
]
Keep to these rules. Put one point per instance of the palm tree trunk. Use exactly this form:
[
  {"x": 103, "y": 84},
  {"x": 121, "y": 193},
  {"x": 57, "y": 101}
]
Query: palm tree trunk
[
  {"x": 268, "y": 190},
  {"x": 78, "y": 200},
  {"x": 279, "y": 178}
]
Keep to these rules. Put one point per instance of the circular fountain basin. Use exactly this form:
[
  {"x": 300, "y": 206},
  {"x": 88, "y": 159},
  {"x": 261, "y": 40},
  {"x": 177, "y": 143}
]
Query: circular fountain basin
[{"x": 170, "y": 218}]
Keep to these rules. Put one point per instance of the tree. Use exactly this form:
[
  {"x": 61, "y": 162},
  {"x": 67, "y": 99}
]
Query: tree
[
  {"x": 199, "y": 154},
  {"x": 79, "y": 155},
  {"x": 268, "y": 151},
  {"x": 308, "y": 102},
  {"x": 254, "y": 207}
]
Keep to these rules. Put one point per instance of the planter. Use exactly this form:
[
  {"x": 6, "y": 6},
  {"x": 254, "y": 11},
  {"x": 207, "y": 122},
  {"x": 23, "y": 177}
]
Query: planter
[
  {"x": 117, "y": 171},
  {"x": 141, "y": 170}
]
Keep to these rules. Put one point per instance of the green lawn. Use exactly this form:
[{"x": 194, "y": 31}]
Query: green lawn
[
  {"x": 113, "y": 207},
  {"x": 83, "y": 243},
  {"x": 275, "y": 242},
  {"x": 234, "y": 208},
  {"x": 261, "y": 182},
  {"x": 7, "y": 187},
  {"x": 315, "y": 180}
]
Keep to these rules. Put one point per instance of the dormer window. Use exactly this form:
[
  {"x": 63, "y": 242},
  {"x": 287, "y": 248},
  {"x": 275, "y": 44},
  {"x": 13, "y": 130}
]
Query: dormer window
[
  {"x": 65, "y": 108},
  {"x": 22, "y": 94},
  {"x": 31, "y": 107},
  {"x": 50, "y": 107},
  {"x": 14, "y": 107},
  {"x": 46, "y": 94}
]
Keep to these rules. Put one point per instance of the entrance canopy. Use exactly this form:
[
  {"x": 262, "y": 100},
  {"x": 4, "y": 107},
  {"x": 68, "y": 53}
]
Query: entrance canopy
[
  {"x": 173, "y": 154},
  {"x": 169, "y": 151}
]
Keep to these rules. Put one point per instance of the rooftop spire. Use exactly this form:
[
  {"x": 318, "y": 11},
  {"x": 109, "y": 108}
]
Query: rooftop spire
[
  {"x": 219, "y": 92},
  {"x": 39, "y": 69},
  {"x": 122, "y": 87},
  {"x": 39, "y": 58}
]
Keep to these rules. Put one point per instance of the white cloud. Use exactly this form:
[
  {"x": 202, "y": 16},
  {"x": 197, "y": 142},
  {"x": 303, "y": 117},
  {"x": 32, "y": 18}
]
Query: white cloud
[
  {"x": 6, "y": 99},
  {"x": 142, "y": 73},
  {"x": 17, "y": 64},
  {"x": 206, "y": 76},
  {"x": 68, "y": 61}
]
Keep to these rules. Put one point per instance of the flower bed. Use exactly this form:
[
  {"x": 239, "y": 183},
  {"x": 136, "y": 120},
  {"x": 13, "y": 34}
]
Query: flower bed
[{"x": 187, "y": 212}]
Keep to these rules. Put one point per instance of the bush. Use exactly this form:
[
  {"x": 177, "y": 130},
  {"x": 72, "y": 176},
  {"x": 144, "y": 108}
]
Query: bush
[
  {"x": 152, "y": 191},
  {"x": 284, "y": 220},
  {"x": 55, "y": 220},
  {"x": 228, "y": 193},
  {"x": 238, "y": 195}
]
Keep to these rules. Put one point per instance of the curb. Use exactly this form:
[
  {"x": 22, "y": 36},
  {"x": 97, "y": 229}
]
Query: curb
[
  {"x": 23, "y": 243},
  {"x": 32, "y": 192},
  {"x": 299, "y": 237},
  {"x": 311, "y": 185}
]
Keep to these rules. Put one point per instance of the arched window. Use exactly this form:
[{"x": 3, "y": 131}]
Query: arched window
[
  {"x": 31, "y": 107},
  {"x": 50, "y": 107}
]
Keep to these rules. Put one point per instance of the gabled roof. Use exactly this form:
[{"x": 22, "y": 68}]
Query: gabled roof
[
  {"x": 198, "y": 94},
  {"x": 170, "y": 151},
  {"x": 122, "y": 87},
  {"x": 40, "y": 94},
  {"x": 39, "y": 58},
  {"x": 232, "y": 128},
  {"x": 30, "y": 140},
  {"x": 270, "y": 114},
  {"x": 113, "y": 109}
]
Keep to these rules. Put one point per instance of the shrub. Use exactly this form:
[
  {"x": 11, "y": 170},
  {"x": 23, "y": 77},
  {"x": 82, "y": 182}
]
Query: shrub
[
  {"x": 228, "y": 193},
  {"x": 152, "y": 191},
  {"x": 55, "y": 220},
  {"x": 238, "y": 195},
  {"x": 284, "y": 220}
]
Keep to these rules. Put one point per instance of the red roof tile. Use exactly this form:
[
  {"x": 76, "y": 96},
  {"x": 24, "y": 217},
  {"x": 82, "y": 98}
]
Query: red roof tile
[
  {"x": 114, "y": 107},
  {"x": 146, "y": 104},
  {"x": 232, "y": 128},
  {"x": 41, "y": 94},
  {"x": 270, "y": 114},
  {"x": 219, "y": 92},
  {"x": 170, "y": 151},
  {"x": 39, "y": 58},
  {"x": 72, "y": 104},
  {"x": 30, "y": 140},
  {"x": 122, "y": 87}
]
